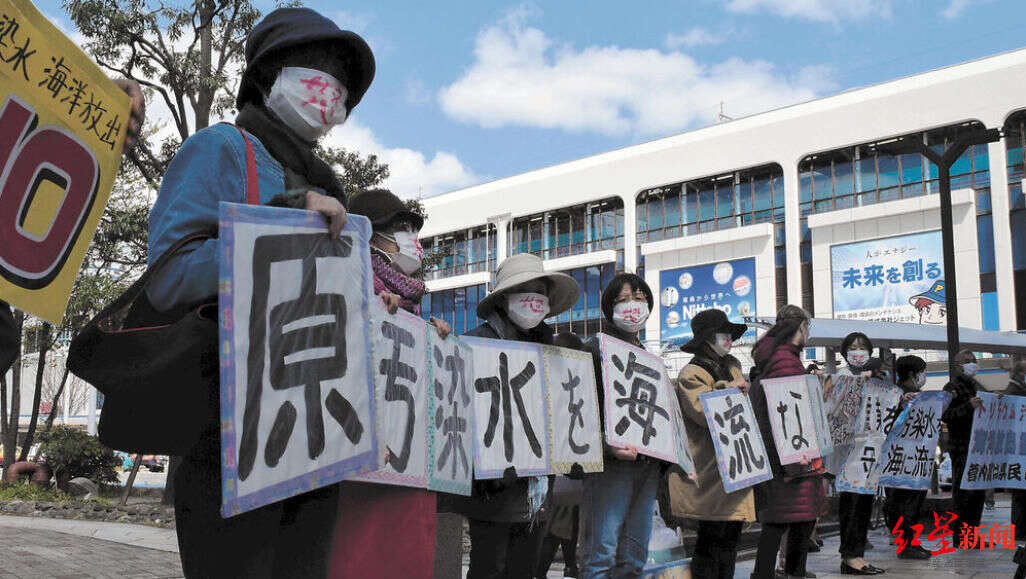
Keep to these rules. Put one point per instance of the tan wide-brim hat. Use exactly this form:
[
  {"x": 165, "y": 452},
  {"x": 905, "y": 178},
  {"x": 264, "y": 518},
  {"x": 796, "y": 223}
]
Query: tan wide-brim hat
[{"x": 522, "y": 268}]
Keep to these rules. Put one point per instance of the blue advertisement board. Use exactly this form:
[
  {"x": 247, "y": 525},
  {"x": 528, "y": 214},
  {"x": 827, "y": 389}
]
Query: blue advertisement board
[
  {"x": 683, "y": 292},
  {"x": 895, "y": 279}
]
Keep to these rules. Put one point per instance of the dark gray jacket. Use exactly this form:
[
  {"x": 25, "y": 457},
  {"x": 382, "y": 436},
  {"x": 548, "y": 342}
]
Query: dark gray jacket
[{"x": 503, "y": 500}]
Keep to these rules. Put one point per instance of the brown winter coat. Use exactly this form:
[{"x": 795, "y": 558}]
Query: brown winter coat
[{"x": 706, "y": 500}]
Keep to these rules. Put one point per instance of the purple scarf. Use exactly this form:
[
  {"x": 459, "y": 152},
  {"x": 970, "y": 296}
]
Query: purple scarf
[{"x": 388, "y": 279}]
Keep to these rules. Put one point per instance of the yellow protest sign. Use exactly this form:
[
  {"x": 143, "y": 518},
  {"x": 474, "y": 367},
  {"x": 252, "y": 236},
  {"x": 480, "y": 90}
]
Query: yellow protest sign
[{"x": 62, "y": 124}]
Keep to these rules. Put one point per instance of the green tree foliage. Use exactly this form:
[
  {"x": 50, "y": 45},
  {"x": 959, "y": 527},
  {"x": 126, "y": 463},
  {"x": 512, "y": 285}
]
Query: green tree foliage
[
  {"x": 71, "y": 453},
  {"x": 188, "y": 54}
]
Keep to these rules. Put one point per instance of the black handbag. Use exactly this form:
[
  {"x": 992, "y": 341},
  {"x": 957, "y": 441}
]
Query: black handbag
[{"x": 158, "y": 371}]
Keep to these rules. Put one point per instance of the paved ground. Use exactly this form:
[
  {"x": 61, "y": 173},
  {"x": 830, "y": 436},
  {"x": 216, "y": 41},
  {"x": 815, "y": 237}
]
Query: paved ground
[
  {"x": 39, "y": 553},
  {"x": 977, "y": 564},
  {"x": 51, "y": 548}
]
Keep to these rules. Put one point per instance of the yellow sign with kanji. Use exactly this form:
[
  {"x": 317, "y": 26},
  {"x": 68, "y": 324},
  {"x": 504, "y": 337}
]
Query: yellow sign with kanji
[{"x": 62, "y": 125}]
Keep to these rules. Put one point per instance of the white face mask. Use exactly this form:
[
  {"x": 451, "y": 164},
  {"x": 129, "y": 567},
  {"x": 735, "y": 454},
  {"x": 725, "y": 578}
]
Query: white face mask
[
  {"x": 970, "y": 369},
  {"x": 722, "y": 344},
  {"x": 309, "y": 101},
  {"x": 527, "y": 310},
  {"x": 410, "y": 254},
  {"x": 858, "y": 358},
  {"x": 630, "y": 316}
]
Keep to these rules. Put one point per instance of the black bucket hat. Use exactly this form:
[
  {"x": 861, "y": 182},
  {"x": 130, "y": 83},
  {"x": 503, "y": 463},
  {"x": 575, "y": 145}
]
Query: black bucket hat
[
  {"x": 706, "y": 324},
  {"x": 289, "y": 27},
  {"x": 382, "y": 207}
]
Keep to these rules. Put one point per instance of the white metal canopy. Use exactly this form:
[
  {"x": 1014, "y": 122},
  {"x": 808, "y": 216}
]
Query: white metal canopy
[{"x": 827, "y": 332}]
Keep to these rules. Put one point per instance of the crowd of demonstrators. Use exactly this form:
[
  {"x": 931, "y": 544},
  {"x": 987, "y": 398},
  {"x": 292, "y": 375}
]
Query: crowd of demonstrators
[
  {"x": 905, "y": 504},
  {"x": 506, "y": 515},
  {"x": 720, "y": 515},
  {"x": 368, "y": 530},
  {"x": 854, "y": 509},
  {"x": 618, "y": 503},
  {"x": 795, "y": 497},
  {"x": 968, "y": 504}
]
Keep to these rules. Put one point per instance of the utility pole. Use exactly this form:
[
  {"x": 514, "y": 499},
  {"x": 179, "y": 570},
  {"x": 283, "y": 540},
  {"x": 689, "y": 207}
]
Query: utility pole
[{"x": 944, "y": 161}]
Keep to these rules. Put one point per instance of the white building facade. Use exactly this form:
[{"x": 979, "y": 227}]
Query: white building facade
[{"x": 789, "y": 199}]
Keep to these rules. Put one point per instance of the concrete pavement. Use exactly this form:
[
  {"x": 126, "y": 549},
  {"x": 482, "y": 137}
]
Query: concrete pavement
[
  {"x": 987, "y": 564},
  {"x": 61, "y": 548}
]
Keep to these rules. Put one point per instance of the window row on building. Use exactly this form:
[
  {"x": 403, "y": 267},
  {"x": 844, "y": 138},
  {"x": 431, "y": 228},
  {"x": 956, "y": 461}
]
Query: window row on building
[{"x": 847, "y": 177}]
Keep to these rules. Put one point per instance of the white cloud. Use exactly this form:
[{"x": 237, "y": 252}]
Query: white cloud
[
  {"x": 412, "y": 173},
  {"x": 697, "y": 36},
  {"x": 956, "y": 8},
  {"x": 520, "y": 77},
  {"x": 417, "y": 93},
  {"x": 819, "y": 10}
]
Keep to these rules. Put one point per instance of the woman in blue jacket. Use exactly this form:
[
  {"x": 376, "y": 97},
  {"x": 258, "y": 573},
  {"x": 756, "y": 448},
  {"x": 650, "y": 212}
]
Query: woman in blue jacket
[{"x": 303, "y": 76}]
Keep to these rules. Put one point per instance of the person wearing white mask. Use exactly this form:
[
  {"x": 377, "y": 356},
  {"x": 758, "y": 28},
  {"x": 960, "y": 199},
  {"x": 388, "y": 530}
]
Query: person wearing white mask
[
  {"x": 959, "y": 418},
  {"x": 385, "y": 530},
  {"x": 854, "y": 509},
  {"x": 303, "y": 76},
  {"x": 618, "y": 503},
  {"x": 720, "y": 515},
  {"x": 905, "y": 504},
  {"x": 505, "y": 514}
]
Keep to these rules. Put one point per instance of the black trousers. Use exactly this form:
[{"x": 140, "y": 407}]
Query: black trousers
[
  {"x": 1019, "y": 513},
  {"x": 716, "y": 549},
  {"x": 551, "y": 543},
  {"x": 853, "y": 513},
  {"x": 968, "y": 504},
  {"x": 290, "y": 538},
  {"x": 904, "y": 505},
  {"x": 797, "y": 548},
  {"x": 501, "y": 550}
]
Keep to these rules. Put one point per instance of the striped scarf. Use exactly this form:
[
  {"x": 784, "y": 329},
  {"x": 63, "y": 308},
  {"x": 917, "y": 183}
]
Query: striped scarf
[{"x": 388, "y": 279}]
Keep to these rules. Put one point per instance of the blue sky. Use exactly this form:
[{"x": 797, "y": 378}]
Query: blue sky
[{"x": 472, "y": 91}]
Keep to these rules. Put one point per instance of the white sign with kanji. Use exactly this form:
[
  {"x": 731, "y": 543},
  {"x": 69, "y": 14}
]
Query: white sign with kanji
[{"x": 789, "y": 405}]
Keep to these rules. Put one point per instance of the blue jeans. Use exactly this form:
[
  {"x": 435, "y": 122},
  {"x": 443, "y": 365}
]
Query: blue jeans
[{"x": 616, "y": 515}]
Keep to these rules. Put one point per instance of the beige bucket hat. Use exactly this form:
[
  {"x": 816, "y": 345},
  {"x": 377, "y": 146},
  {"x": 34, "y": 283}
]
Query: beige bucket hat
[{"x": 522, "y": 268}]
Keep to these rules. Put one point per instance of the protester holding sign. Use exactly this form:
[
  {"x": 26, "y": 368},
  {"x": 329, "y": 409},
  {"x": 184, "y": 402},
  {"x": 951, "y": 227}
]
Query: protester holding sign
[
  {"x": 382, "y": 530},
  {"x": 720, "y": 515},
  {"x": 289, "y": 52},
  {"x": 618, "y": 503},
  {"x": 854, "y": 509},
  {"x": 505, "y": 536},
  {"x": 959, "y": 418},
  {"x": 795, "y": 497},
  {"x": 905, "y": 504}
]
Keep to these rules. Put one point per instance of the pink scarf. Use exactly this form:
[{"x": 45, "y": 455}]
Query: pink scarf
[{"x": 388, "y": 279}]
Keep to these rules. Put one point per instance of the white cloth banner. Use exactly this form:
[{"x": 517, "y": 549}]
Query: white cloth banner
[
  {"x": 789, "y": 405},
  {"x": 575, "y": 435},
  {"x": 510, "y": 414},
  {"x": 403, "y": 397},
  {"x": 740, "y": 452},
  {"x": 297, "y": 390},
  {"x": 879, "y": 410},
  {"x": 641, "y": 407},
  {"x": 908, "y": 454},
  {"x": 997, "y": 447}
]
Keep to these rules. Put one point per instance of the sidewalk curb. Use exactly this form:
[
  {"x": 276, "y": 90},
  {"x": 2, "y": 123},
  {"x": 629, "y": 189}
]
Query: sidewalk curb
[{"x": 124, "y": 533}]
